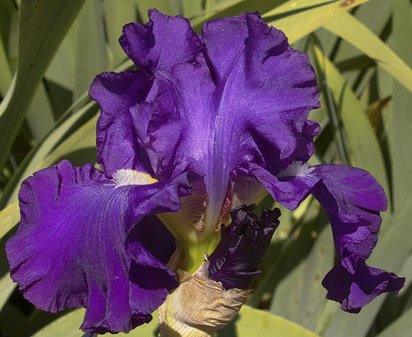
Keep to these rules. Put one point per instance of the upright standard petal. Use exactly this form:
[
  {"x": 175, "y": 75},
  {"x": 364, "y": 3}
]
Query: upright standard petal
[
  {"x": 263, "y": 83},
  {"x": 80, "y": 243},
  {"x": 120, "y": 140},
  {"x": 352, "y": 198},
  {"x": 161, "y": 43},
  {"x": 179, "y": 128},
  {"x": 245, "y": 100},
  {"x": 264, "y": 91}
]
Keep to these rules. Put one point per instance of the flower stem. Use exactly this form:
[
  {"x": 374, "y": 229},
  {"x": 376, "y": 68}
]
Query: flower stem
[{"x": 195, "y": 252}]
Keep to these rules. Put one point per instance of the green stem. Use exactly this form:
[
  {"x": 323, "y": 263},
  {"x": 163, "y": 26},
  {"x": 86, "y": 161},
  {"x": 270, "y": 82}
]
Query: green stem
[{"x": 195, "y": 252}]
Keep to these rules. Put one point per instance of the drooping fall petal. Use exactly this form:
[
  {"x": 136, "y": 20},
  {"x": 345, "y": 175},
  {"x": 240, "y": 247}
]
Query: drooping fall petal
[{"x": 81, "y": 243}]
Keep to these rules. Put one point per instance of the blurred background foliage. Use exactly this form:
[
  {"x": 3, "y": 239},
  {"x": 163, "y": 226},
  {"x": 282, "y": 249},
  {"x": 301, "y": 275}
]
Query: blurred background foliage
[{"x": 50, "y": 50}]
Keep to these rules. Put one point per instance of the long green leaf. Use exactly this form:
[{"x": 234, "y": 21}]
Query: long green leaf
[
  {"x": 250, "y": 322},
  {"x": 6, "y": 16},
  {"x": 117, "y": 14},
  {"x": 230, "y": 8},
  {"x": 39, "y": 114},
  {"x": 298, "y": 18},
  {"x": 300, "y": 296},
  {"x": 5, "y": 73},
  {"x": 254, "y": 322},
  {"x": 191, "y": 8},
  {"x": 9, "y": 217},
  {"x": 91, "y": 56},
  {"x": 400, "y": 119},
  {"x": 400, "y": 328},
  {"x": 353, "y": 31},
  {"x": 363, "y": 144},
  {"x": 84, "y": 137},
  {"x": 42, "y": 26},
  {"x": 35, "y": 159},
  {"x": 62, "y": 67},
  {"x": 67, "y": 326},
  {"x": 6, "y": 288},
  {"x": 375, "y": 15}
]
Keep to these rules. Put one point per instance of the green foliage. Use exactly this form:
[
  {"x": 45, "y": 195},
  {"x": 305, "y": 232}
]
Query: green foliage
[
  {"x": 50, "y": 50},
  {"x": 250, "y": 322}
]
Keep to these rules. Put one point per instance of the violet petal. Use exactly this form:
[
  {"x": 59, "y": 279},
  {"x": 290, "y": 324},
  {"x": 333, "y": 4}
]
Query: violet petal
[
  {"x": 118, "y": 143},
  {"x": 73, "y": 247},
  {"x": 354, "y": 284},
  {"x": 352, "y": 198},
  {"x": 217, "y": 113},
  {"x": 161, "y": 43}
]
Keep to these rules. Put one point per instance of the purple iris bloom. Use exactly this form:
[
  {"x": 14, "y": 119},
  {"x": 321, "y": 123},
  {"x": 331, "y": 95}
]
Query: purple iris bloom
[{"x": 229, "y": 105}]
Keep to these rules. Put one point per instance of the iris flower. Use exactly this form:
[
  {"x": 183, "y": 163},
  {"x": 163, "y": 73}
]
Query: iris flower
[{"x": 206, "y": 123}]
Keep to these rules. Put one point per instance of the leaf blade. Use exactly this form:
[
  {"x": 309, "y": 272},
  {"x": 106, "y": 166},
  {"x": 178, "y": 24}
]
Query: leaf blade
[
  {"x": 42, "y": 26},
  {"x": 361, "y": 138},
  {"x": 353, "y": 31},
  {"x": 313, "y": 13}
]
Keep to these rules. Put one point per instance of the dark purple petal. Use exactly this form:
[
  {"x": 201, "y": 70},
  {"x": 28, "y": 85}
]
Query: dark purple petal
[
  {"x": 354, "y": 284},
  {"x": 244, "y": 101},
  {"x": 289, "y": 189},
  {"x": 161, "y": 43},
  {"x": 120, "y": 141},
  {"x": 352, "y": 198},
  {"x": 80, "y": 244},
  {"x": 266, "y": 84},
  {"x": 178, "y": 128},
  {"x": 235, "y": 260},
  {"x": 264, "y": 91}
]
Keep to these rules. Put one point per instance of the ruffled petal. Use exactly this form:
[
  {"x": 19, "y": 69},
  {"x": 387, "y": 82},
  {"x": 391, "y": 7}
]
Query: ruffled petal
[
  {"x": 161, "y": 43},
  {"x": 181, "y": 115},
  {"x": 267, "y": 88},
  {"x": 235, "y": 260},
  {"x": 352, "y": 198},
  {"x": 80, "y": 243},
  {"x": 290, "y": 187},
  {"x": 120, "y": 140},
  {"x": 354, "y": 284},
  {"x": 264, "y": 91},
  {"x": 244, "y": 101}
]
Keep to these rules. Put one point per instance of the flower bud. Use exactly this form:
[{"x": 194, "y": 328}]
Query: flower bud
[{"x": 209, "y": 299}]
